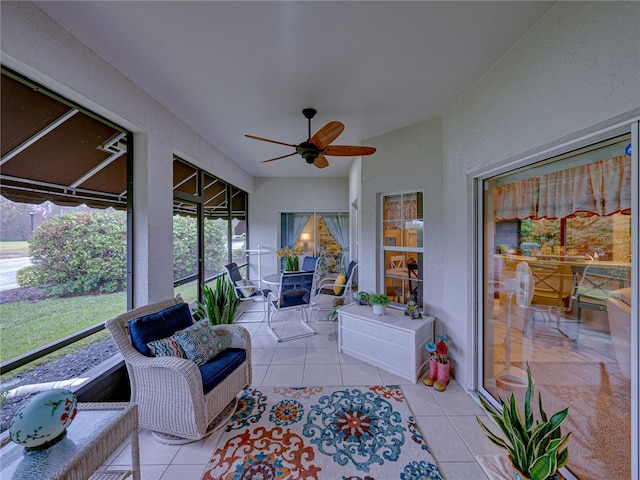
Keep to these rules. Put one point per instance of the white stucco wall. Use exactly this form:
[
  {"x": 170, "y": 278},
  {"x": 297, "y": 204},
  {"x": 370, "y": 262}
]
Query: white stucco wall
[
  {"x": 409, "y": 159},
  {"x": 34, "y": 45},
  {"x": 272, "y": 196},
  {"x": 576, "y": 69}
]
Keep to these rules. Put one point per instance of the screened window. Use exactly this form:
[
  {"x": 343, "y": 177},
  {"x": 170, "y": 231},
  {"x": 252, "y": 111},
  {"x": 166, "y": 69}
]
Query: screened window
[
  {"x": 210, "y": 228},
  {"x": 65, "y": 183}
]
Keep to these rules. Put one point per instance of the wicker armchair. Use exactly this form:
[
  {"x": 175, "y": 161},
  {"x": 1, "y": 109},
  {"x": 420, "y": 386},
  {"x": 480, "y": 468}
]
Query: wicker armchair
[{"x": 169, "y": 391}]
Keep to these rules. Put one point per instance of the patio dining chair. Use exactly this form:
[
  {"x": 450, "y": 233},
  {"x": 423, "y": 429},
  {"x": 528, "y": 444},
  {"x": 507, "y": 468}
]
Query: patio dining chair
[
  {"x": 339, "y": 290},
  {"x": 247, "y": 291},
  {"x": 294, "y": 293}
]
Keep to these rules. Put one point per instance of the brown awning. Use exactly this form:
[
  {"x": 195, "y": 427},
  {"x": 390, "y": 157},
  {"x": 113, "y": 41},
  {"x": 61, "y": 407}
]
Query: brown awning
[{"x": 53, "y": 151}]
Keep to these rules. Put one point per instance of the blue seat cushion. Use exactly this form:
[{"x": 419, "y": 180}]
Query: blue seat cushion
[
  {"x": 217, "y": 369},
  {"x": 155, "y": 326},
  {"x": 291, "y": 298}
]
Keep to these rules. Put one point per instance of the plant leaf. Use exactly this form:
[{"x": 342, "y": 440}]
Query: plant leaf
[{"x": 528, "y": 412}]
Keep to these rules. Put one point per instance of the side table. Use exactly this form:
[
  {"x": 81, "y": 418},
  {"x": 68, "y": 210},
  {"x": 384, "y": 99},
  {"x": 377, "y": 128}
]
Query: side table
[
  {"x": 393, "y": 342},
  {"x": 97, "y": 430}
]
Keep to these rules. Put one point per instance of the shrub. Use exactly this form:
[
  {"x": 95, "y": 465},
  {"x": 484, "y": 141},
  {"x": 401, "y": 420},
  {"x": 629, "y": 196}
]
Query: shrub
[
  {"x": 79, "y": 253},
  {"x": 28, "y": 276}
]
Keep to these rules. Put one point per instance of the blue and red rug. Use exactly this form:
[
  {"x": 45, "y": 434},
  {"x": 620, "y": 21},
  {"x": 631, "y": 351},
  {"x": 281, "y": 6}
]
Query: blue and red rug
[{"x": 336, "y": 433}]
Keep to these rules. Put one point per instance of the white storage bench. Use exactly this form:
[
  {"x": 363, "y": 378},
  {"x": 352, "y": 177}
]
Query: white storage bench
[{"x": 393, "y": 342}]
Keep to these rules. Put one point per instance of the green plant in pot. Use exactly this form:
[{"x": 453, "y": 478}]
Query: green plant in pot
[
  {"x": 379, "y": 302},
  {"x": 219, "y": 304},
  {"x": 536, "y": 447}
]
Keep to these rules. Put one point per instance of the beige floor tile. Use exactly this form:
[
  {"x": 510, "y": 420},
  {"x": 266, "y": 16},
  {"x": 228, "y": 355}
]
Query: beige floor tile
[
  {"x": 443, "y": 440},
  {"x": 284, "y": 376},
  {"x": 261, "y": 356},
  {"x": 324, "y": 340},
  {"x": 360, "y": 374},
  {"x": 289, "y": 356},
  {"x": 259, "y": 371},
  {"x": 390, "y": 379},
  {"x": 321, "y": 355},
  {"x": 322, "y": 375},
  {"x": 475, "y": 439},
  {"x": 462, "y": 471},
  {"x": 455, "y": 401},
  {"x": 421, "y": 400},
  {"x": 348, "y": 359},
  {"x": 153, "y": 452},
  {"x": 197, "y": 453},
  {"x": 292, "y": 329},
  {"x": 263, "y": 341},
  {"x": 183, "y": 472},
  {"x": 152, "y": 472}
]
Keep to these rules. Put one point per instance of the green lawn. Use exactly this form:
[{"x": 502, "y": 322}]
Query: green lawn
[
  {"x": 25, "y": 326},
  {"x": 14, "y": 248}
]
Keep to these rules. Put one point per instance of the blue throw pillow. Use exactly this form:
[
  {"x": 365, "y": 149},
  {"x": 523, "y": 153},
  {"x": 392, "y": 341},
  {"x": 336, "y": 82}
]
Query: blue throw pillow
[
  {"x": 155, "y": 326},
  {"x": 199, "y": 342}
]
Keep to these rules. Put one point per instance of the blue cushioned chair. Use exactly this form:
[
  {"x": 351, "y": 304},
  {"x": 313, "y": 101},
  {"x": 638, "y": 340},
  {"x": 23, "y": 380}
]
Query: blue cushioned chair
[
  {"x": 247, "y": 291},
  {"x": 340, "y": 294},
  {"x": 179, "y": 401},
  {"x": 294, "y": 294},
  {"x": 309, "y": 264}
]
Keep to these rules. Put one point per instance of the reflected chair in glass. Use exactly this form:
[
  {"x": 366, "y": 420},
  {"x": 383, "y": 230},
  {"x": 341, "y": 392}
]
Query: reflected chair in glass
[
  {"x": 619, "y": 315},
  {"x": 294, "y": 293},
  {"x": 247, "y": 291},
  {"x": 596, "y": 284},
  {"x": 334, "y": 289},
  {"x": 553, "y": 289}
]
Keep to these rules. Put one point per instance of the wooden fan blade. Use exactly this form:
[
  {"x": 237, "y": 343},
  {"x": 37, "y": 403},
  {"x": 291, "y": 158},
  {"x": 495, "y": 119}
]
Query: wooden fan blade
[
  {"x": 327, "y": 134},
  {"x": 278, "y": 158},
  {"x": 270, "y": 141},
  {"x": 348, "y": 151},
  {"x": 321, "y": 161}
]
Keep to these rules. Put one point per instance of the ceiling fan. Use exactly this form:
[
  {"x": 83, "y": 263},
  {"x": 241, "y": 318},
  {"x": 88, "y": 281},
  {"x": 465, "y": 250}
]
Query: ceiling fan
[{"x": 315, "y": 148}]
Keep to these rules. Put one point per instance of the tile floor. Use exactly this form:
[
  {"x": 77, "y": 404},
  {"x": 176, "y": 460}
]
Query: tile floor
[{"x": 446, "y": 418}]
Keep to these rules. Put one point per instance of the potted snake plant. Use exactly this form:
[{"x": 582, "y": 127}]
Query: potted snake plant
[
  {"x": 537, "y": 449},
  {"x": 218, "y": 304}
]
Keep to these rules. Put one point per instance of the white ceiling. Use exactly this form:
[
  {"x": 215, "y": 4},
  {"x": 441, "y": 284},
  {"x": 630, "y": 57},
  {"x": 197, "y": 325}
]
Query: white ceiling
[{"x": 230, "y": 68}]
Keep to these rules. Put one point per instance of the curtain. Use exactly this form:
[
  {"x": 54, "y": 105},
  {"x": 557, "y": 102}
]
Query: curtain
[
  {"x": 598, "y": 188},
  {"x": 338, "y": 226},
  {"x": 292, "y": 225}
]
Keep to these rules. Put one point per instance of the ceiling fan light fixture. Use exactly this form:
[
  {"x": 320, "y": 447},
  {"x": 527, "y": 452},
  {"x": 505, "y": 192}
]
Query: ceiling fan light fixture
[
  {"x": 314, "y": 149},
  {"x": 308, "y": 151}
]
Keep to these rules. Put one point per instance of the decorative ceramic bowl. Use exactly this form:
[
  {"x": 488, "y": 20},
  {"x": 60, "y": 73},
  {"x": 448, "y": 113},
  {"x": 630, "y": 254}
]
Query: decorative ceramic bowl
[{"x": 43, "y": 420}]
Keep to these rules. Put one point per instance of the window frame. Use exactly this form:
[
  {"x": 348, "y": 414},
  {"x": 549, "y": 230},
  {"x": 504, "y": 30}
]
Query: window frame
[{"x": 383, "y": 248}]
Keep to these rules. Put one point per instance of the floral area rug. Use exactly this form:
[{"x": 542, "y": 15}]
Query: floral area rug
[{"x": 336, "y": 433}]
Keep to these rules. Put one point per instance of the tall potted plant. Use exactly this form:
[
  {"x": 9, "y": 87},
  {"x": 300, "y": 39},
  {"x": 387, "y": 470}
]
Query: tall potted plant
[
  {"x": 537, "y": 448},
  {"x": 219, "y": 304}
]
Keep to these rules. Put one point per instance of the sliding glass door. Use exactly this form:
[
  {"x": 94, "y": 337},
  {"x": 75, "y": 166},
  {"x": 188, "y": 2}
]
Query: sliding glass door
[{"x": 557, "y": 283}]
